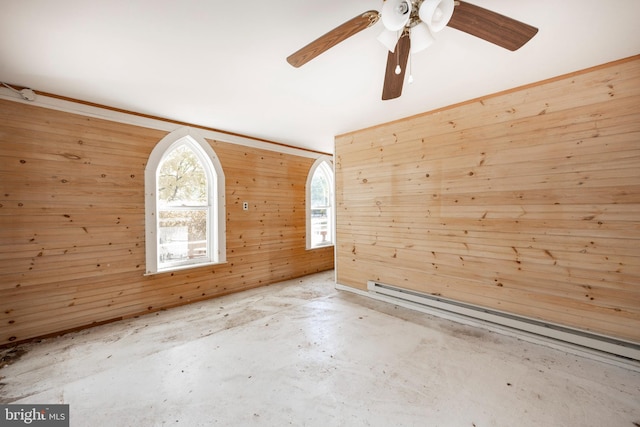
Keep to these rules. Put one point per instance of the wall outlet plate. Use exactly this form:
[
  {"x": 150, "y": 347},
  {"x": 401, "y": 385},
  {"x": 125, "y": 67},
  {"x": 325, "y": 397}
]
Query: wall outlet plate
[{"x": 245, "y": 206}]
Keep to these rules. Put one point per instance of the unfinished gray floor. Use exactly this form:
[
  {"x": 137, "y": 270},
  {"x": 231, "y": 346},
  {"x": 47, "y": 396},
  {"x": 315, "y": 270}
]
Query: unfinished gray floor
[{"x": 301, "y": 353}]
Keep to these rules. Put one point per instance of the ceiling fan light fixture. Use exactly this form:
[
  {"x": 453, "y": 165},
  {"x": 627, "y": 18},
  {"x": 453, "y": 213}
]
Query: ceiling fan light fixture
[
  {"x": 436, "y": 13},
  {"x": 389, "y": 39},
  {"x": 421, "y": 37},
  {"x": 395, "y": 14},
  {"x": 409, "y": 28}
]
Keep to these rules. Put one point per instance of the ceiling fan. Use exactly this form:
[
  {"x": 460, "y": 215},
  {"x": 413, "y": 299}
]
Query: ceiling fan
[{"x": 408, "y": 28}]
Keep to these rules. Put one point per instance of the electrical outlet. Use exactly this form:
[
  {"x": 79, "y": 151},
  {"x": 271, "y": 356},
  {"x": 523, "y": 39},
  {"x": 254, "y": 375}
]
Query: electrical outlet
[{"x": 245, "y": 206}]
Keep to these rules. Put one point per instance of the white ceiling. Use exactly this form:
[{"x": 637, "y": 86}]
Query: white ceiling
[{"x": 222, "y": 64}]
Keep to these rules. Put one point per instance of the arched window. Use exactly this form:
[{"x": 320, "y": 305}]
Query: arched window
[
  {"x": 184, "y": 202},
  {"x": 320, "y": 215}
]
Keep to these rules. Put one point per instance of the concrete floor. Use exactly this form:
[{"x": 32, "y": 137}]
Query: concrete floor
[{"x": 301, "y": 353}]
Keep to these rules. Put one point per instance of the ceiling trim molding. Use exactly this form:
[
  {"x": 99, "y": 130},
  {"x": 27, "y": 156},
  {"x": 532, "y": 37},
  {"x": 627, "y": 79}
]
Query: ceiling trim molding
[{"x": 89, "y": 109}]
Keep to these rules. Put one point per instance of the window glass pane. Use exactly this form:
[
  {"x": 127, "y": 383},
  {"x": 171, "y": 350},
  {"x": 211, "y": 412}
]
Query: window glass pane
[
  {"x": 182, "y": 180},
  {"x": 184, "y": 193},
  {"x": 320, "y": 227},
  {"x": 182, "y": 235},
  {"x": 320, "y": 194},
  {"x": 321, "y": 211}
]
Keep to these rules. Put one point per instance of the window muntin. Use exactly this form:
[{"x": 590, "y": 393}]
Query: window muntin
[{"x": 320, "y": 205}]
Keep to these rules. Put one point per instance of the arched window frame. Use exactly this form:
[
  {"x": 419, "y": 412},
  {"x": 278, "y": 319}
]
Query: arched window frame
[
  {"x": 216, "y": 188},
  {"x": 326, "y": 163}
]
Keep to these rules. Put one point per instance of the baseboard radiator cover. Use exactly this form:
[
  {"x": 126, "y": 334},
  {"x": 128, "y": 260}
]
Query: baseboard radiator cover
[{"x": 605, "y": 348}]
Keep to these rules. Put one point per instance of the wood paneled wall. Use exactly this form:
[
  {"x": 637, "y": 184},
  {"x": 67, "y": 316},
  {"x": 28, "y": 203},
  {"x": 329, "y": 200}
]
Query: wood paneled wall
[
  {"x": 72, "y": 223},
  {"x": 526, "y": 201}
]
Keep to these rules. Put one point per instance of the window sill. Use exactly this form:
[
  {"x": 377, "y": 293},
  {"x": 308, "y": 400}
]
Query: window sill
[
  {"x": 183, "y": 267},
  {"x": 328, "y": 245}
]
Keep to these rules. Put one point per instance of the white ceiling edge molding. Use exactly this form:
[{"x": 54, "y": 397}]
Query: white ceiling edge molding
[{"x": 152, "y": 123}]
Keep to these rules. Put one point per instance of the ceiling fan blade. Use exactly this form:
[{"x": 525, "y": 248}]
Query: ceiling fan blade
[
  {"x": 392, "y": 81},
  {"x": 491, "y": 26},
  {"x": 333, "y": 37}
]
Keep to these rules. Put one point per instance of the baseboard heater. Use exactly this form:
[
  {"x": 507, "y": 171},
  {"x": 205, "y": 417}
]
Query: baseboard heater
[{"x": 583, "y": 342}]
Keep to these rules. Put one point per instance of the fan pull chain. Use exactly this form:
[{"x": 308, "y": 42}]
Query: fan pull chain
[
  {"x": 410, "y": 70},
  {"x": 398, "y": 70}
]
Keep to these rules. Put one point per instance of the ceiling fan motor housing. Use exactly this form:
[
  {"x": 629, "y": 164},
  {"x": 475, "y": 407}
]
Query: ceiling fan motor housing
[{"x": 397, "y": 14}]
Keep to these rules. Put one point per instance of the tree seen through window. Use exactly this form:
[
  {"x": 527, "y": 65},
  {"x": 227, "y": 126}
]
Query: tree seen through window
[{"x": 183, "y": 207}]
